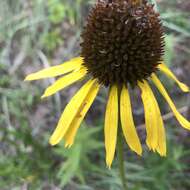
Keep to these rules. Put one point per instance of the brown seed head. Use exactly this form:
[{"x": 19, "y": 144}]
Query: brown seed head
[{"x": 122, "y": 42}]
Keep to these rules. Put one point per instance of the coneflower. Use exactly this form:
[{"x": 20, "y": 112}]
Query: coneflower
[{"x": 123, "y": 45}]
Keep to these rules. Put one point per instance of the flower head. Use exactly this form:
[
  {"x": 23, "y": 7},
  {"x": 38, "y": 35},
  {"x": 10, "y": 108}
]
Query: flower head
[
  {"x": 122, "y": 42},
  {"x": 122, "y": 45}
]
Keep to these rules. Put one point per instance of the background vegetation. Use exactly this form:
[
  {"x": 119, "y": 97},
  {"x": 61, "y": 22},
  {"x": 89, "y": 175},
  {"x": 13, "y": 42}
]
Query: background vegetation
[{"x": 39, "y": 33}]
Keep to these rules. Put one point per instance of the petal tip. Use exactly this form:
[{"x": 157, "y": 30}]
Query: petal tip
[
  {"x": 30, "y": 77},
  {"x": 186, "y": 89},
  {"x": 108, "y": 163},
  {"x": 43, "y": 96},
  {"x": 139, "y": 153},
  {"x": 27, "y": 78},
  {"x": 163, "y": 154},
  {"x": 53, "y": 141},
  {"x": 109, "y": 166},
  {"x": 68, "y": 145}
]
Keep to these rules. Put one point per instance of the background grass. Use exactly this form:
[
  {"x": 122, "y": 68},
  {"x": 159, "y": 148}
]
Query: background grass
[{"x": 39, "y": 33}]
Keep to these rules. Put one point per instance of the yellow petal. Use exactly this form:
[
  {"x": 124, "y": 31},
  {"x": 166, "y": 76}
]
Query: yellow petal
[
  {"x": 167, "y": 71},
  {"x": 66, "y": 67},
  {"x": 70, "y": 135},
  {"x": 161, "y": 144},
  {"x": 111, "y": 125},
  {"x": 150, "y": 116},
  {"x": 127, "y": 122},
  {"x": 72, "y": 110},
  {"x": 64, "y": 82},
  {"x": 161, "y": 149},
  {"x": 184, "y": 123}
]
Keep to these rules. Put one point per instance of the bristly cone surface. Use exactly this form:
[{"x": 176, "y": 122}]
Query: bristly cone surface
[{"x": 122, "y": 41}]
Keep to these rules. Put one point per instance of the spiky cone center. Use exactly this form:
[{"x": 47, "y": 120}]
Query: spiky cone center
[{"x": 122, "y": 42}]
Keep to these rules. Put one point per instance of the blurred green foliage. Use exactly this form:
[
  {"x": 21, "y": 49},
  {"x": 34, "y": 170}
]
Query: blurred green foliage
[
  {"x": 27, "y": 161},
  {"x": 77, "y": 160},
  {"x": 57, "y": 11},
  {"x": 52, "y": 39}
]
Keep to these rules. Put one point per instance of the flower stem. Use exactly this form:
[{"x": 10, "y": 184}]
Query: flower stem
[{"x": 121, "y": 160}]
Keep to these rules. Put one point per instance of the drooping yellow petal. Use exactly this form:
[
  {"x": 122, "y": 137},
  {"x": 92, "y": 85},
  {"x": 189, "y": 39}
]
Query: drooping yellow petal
[
  {"x": 111, "y": 125},
  {"x": 150, "y": 116},
  {"x": 161, "y": 144},
  {"x": 64, "y": 82},
  {"x": 127, "y": 122},
  {"x": 184, "y": 123},
  {"x": 167, "y": 71},
  {"x": 161, "y": 148},
  {"x": 70, "y": 135},
  {"x": 72, "y": 110},
  {"x": 66, "y": 67}
]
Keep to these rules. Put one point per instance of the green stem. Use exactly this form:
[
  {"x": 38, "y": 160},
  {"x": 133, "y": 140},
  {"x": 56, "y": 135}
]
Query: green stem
[{"x": 121, "y": 159}]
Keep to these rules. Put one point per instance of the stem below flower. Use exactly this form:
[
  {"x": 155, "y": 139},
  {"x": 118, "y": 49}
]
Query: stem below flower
[{"x": 121, "y": 159}]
